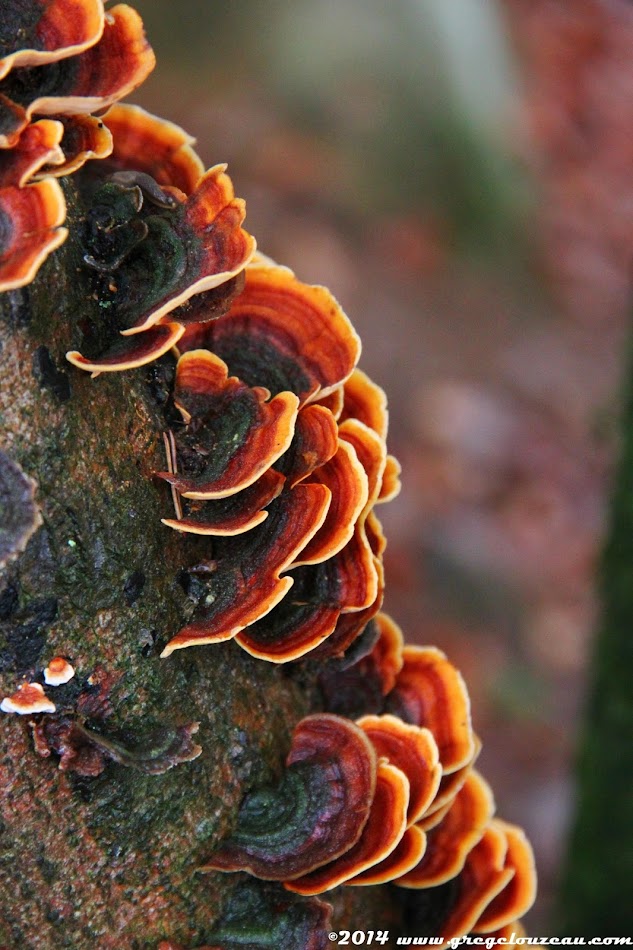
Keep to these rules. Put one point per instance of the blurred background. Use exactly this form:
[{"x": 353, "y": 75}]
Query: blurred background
[{"x": 458, "y": 172}]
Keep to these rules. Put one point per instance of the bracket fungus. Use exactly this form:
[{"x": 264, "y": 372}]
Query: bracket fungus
[
  {"x": 28, "y": 699},
  {"x": 317, "y": 811},
  {"x": 277, "y": 460}
]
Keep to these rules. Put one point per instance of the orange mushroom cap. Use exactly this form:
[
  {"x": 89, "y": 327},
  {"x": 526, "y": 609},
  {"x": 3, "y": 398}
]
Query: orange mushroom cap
[
  {"x": 30, "y": 220},
  {"x": 247, "y": 582},
  {"x": 345, "y": 476},
  {"x": 29, "y": 698},
  {"x": 282, "y": 334},
  {"x": 450, "y": 842},
  {"x": 146, "y": 143},
  {"x": 366, "y": 401},
  {"x": 431, "y": 692},
  {"x": 38, "y": 145},
  {"x": 414, "y": 751},
  {"x": 407, "y": 853},
  {"x": 519, "y": 894},
  {"x": 316, "y": 813},
  {"x": 237, "y": 433},
  {"x": 60, "y": 28},
  {"x": 483, "y": 877},
  {"x": 314, "y": 443},
  {"x": 381, "y": 834},
  {"x": 131, "y": 352},
  {"x": 93, "y": 79},
  {"x": 299, "y": 624},
  {"x": 85, "y": 137},
  {"x": 58, "y": 671},
  {"x": 234, "y": 514}
]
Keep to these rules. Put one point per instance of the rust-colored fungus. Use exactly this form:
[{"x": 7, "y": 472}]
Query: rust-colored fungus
[
  {"x": 48, "y": 32},
  {"x": 149, "y": 144},
  {"x": 316, "y": 813},
  {"x": 382, "y": 833},
  {"x": 281, "y": 334},
  {"x": 84, "y": 137},
  {"x": 414, "y": 751},
  {"x": 97, "y": 77},
  {"x": 234, "y": 434},
  {"x": 58, "y": 671},
  {"x": 519, "y": 893},
  {"x": 407, "y": 853},
  {"x": 365, "y": 401},
  {"x": 449, "y": 843},
  {"x": 430, "y": 692},
  {"x": 232, "y": 515},
  {"x": 314, "y": 443},
  {"x": 483, "y": 877},
  {"x": 28, "y": 699},
  {"x": 38, "y": 145},
  {"x": 346, "y": 479},
  {"x": 247, "y": 582},
  {"x": 30, "y": 220}
]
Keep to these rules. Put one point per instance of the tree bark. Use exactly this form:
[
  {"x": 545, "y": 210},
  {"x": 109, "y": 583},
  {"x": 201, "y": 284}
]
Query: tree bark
[
  {"x": 109, "y": 860},
  {"x": 596, "y": 893}
]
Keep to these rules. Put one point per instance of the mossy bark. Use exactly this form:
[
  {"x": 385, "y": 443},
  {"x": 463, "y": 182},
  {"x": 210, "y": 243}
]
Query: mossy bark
[
  {"x": 109, "y": 861},
  {"x": 596, "y": 893}
]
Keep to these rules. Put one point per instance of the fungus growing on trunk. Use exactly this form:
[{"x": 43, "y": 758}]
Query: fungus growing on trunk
[
  {"x": 317, "y": 811},
  {"x": 28, "y": 699}
]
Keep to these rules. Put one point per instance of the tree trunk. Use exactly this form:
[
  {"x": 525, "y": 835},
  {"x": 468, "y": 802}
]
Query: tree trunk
[
  {"x": 109, "y": 860},
  {"x": 596, "y": 893}
]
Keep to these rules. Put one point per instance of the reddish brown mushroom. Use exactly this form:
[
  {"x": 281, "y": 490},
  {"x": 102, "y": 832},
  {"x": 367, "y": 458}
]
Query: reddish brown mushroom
[
  {"x": 234, "y": 514},
  {"x": 518, "y": 895},
  {"x": 236, "y": 433},
  {"x": 365, "y": 401},
  {"x": 483, "y": 877},
  {"x": 247, "y": 583},
  {"x": 108, "y": 68},
  {"x": 28, "y": 699},
  {"x": 85, "y": 137},
  {"x": 315, "y": 814},
  {"x": 381, "y": 834},
  {"x": 38, "y": 145},
  {"x": 282, "y": 334},
  {"x": 48, "y": 32},
  {"x": 407, "y": 853},
  {"x": 414, "y": 751},
  {"x": 146, "y": 143},
  {"x": 31, "y": 219},
  {"x": 430, "y": 692},
  {"x": 450, "y": 842},
  {"x": 345, "y": 477}
]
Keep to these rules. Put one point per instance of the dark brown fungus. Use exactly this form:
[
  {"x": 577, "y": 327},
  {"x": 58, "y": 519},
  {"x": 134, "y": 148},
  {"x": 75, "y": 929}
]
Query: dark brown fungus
[
  {"x": 316, "y": 813},
  {"x": 262, "y": 916}
]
